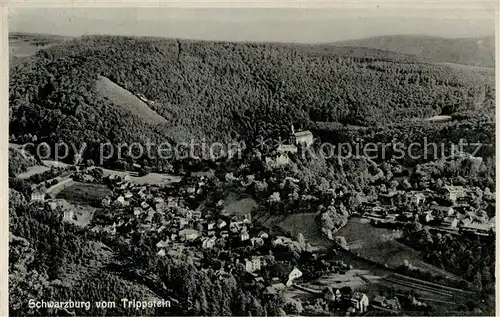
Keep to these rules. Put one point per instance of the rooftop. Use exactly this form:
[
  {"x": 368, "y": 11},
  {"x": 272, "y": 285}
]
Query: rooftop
[
  {"x": 358, "y": 296},
  {"x": 299, "y": 134},
  {"x": 478, "y": 226},
  {"x": 443, "y": 208},
  {"x": 452, "y": 188},
  {"x": 286, "y": 148}
]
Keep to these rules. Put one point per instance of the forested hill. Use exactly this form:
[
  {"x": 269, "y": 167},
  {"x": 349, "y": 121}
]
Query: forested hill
[
  {"x": 467, "y": 51},
  {"x": 223, "y": 91}
]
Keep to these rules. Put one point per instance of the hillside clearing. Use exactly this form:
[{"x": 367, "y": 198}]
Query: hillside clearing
[
  {"x": 439, "y": 119},
  {"x": 127, "y": 100}
]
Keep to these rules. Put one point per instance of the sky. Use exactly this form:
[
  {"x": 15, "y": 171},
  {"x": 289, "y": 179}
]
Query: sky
[{"x": 251, "y": 24}]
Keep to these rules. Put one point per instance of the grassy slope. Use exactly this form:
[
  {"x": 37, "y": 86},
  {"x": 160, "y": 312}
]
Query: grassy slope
[{"x": 127, "y": 100}]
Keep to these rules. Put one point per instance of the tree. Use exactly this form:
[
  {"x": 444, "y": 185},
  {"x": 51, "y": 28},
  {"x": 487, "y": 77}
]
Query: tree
[
  {"x": 478, "y": 280},
  {"x": 145, "y": 170},
  {"x": 274, "y": 198},
  {"x": 301, "y": 241}
]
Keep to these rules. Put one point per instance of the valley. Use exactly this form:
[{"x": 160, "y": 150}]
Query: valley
[{"x": 283, "y": 227}]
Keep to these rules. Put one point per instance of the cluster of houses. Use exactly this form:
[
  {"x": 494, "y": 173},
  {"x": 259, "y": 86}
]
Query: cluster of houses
[
  {"x": 459, "y": 216},
  {"x": 177, "y": 226},
  {"x": 344, "y": 299},
  {"x": 358, "y": 303},
  {"x": 182, "y": 233}
]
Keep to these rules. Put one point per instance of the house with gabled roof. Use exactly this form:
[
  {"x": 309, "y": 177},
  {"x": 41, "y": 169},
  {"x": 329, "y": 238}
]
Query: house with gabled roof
[
  {"x": 360, "y": 301},
  {"x": 447, "y": 210},
  {"x": 302, "y": 137}
]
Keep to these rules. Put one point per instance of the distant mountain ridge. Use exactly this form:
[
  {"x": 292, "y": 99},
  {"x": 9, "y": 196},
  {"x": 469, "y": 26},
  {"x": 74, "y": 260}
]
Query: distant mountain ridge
[{"x": 467, "y": 51}]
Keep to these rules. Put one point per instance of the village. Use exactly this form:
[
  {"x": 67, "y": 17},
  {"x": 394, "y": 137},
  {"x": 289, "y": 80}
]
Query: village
[
  {"x": 186, "y": 234},
  {"x": 187, "y": 228}
]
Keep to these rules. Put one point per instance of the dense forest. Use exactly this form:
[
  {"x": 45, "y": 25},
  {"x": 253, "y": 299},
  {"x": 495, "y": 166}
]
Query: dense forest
[{"x": 232, "y": 91}]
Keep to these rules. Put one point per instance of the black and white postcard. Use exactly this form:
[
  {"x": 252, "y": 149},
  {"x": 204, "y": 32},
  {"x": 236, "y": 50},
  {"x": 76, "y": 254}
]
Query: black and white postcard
[{"x": 332, "y": 160}]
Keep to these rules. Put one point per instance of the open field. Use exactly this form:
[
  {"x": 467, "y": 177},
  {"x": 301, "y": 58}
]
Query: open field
[
  {"x": 50, "y": 163},
  {"x": 155, "y": 179},
  {"x": 151, "y": 178},
  {"x": 235, "y": 206},
  {"x": 26, "y": 44},
  {"x": 438, "y": 119},
  {"x": 21, "y": 48},
  {"x": 296, "y": 293},
  {"x": 306, "y": 224},
  {"x": 85, "y": 192},
  {"x": 355, "y": 279},
  {"x": 64, "y": 182},
  {"x": 33, "y": 170}
]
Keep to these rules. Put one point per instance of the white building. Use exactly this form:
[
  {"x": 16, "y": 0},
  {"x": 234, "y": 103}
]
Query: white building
[
  {"x": 455, "y": 192},
  {"x": 417, "y": 197},
  {"x": 256, "y": 241},
  {"x": 120, "y": 202},
  {"x": 253, "y": 265},
  {"x": 68, "y": 215},
  {"x": 211, "y": 225},
  {"x": 244, "y": 236},
  {"x": 302, "y": 137},
  {"x": 161, "y": 252},
  {"x": 162, "y": 244},
  {"x": 137, "y": 211},
  {"x": 278, "y": 161},
  {"x": 208, "y": 243},
  {"x": 280, "y": 240},
  {"x": 360, "y": 301},
  {"x": 451, "y": 222},
  {"x": 221, "y": 223}
]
